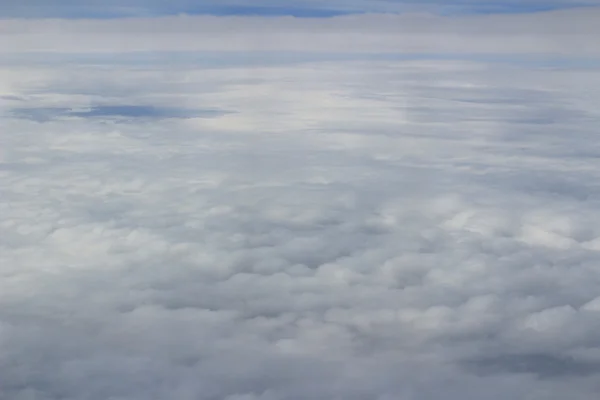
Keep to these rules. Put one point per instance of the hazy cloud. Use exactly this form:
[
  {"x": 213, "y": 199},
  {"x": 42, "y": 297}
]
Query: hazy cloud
[
  {"x": 117, "y": 111},
  {"x": 545, "y": 366},
  {"x": 302, "y": 8},
  {"x": 572, "y": 32}
]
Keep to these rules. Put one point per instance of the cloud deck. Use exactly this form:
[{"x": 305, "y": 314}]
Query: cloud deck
[{"x": 356, "y": 230}]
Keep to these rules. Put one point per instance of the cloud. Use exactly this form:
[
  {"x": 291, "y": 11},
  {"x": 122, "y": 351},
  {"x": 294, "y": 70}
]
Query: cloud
[
  {"x": 558, "y": 33},
  {"x": 299, "y": 8},
  {"x": 543, "y": 365},
  {"x": 366, "y": 229},
  {"x": 115, "y": 111}
]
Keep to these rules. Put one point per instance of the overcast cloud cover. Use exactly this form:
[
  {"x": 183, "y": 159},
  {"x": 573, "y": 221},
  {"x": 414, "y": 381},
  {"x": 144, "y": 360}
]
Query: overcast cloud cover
[{"x": 295, "y": 220}]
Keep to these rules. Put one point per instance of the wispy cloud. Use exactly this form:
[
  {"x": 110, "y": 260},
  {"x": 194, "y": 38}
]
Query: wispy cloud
[
  {"x": 301, "y": 8},
  {"x": 572, "y": 32}
]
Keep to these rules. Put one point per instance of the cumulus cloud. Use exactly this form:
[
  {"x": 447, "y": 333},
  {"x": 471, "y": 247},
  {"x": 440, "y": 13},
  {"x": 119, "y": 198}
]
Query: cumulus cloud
[{"x": 346, "y": 230}]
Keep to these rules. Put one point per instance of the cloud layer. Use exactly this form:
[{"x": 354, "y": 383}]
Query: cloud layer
[
  {"x": 570, "y": 32},
  {"x": 301, "y": 8},
  {"x": 348, "y": 230}
]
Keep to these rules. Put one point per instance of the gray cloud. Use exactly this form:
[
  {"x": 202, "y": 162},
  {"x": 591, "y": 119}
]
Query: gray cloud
[
  {"x": 357, "y": 230},
  {"x": 546, "y": 366}
]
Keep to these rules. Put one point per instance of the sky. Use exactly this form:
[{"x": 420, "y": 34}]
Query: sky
[
  {"x": 298, "y": 8},
  {"x": 329, "y": 200},
  {"x": 557, "y": 33}
]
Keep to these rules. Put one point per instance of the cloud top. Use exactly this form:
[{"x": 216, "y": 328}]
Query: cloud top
[{"x": 351, "y": 230}]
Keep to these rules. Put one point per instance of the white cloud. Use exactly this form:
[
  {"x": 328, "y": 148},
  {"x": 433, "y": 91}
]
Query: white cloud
[
  {"x": 381, "y": 230},
  {"x": 572, "y": 32}
]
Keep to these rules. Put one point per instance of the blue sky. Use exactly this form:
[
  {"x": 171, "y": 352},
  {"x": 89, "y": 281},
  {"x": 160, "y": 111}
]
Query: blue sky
[{"x": 298, "y": 8}]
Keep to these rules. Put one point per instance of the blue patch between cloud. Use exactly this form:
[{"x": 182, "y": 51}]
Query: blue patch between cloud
[
  {"x": 43, "y": 114},
  {"x": 299, "y": 12}
]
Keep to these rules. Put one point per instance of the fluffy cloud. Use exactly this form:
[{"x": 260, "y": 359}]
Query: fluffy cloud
[{"x": 381, "y": 230}]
